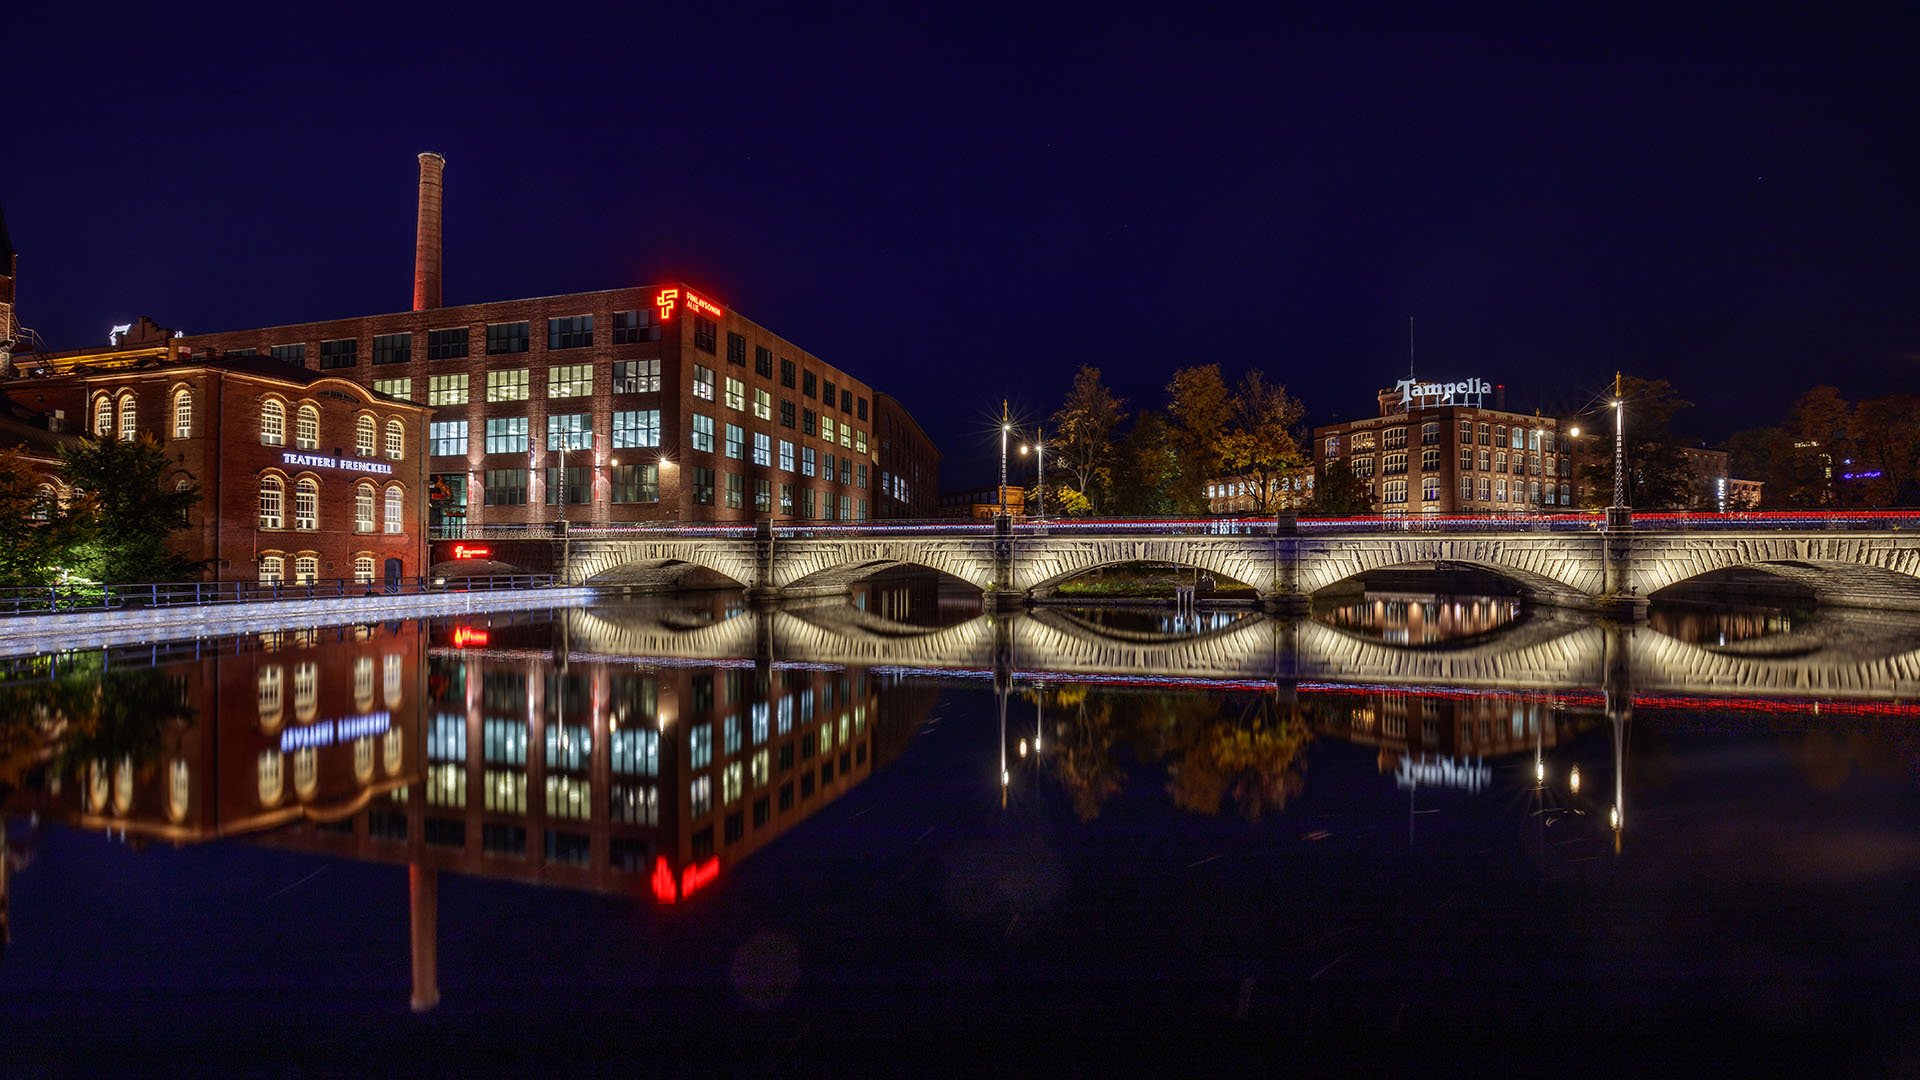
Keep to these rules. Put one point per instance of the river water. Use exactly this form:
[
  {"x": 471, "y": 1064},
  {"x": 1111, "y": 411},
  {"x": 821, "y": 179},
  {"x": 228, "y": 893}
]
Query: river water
[{"x": 1410, "y": 832}]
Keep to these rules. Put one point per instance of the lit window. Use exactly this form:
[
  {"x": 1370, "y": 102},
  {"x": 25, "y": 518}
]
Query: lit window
[
  {"x": 306, "y": 429},
  {"x": 306, "y": 571},
  {"x": 763, "y": 404},
  {"x": 363, "y": 508},
  {"x": 569, "y": 380},
  {"x": 103, "y": 416},
  {"x": 507, "y": 435},
  {"x": 272, "y": 572},
  {"x": 703, "y": 433},
  {"x": 570, "y": 431},
  {"x": 363, "y": 567},
  {"x": 392, "y": 517},
  {"x": 401, "y": 389},
  {"x": 396, "y": 440},
  {"x": 703, "y": 382},
  {"x": 126, "y": 417},
  {"x": 762, "y": 449},
  {"x": 306, "y": 503},
  {"x": 507, "y": 385},
  {"x": 272, "y": 499},
  {"x": 736, "y": 394},
  {"x": 447, "y": 438},
  {"x": 635, "y": 428},
  {"x": 273, "y": 422},
  {"x": 736, "y": 441},
  {"x": 786, "y": 455},
  {"x": 447, "y": 390},
  {"x": 636, "y": 376},
  {"x": 183, "y": 413},
  {"x": 364, "y": 434}
]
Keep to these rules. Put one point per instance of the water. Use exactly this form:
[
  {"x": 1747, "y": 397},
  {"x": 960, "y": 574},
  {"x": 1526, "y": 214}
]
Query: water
[{"x": 1411, "y": 832}]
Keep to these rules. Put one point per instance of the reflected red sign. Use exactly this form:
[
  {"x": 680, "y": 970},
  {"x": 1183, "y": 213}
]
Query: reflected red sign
[
  {"x": 471, "y": 551},
  {"x": 692, "y": 879},
  {"x": 463, "y": 636}
]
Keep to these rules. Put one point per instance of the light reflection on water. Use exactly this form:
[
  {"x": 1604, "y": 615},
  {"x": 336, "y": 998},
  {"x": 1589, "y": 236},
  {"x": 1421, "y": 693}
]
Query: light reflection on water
[{"x": 651, "y": 751}]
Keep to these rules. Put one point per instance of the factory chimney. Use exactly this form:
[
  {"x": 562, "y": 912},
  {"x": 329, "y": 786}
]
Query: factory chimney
[{"x": 426, "y": 245}]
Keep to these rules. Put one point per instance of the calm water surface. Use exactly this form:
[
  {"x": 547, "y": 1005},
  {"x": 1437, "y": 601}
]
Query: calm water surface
[{"x": 1412, "y": 832}]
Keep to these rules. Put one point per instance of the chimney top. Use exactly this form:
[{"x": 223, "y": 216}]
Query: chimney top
[{"x": 426, "y": 244}]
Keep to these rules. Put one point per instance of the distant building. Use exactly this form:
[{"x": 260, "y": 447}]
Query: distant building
[
  {"x": 983, "y": 502},
  {"x": 1241, "y": 495}
]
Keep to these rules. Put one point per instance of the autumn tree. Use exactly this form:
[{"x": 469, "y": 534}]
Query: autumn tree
[
  {"x": 127, "y": 509},
  {"x": 1199, "y": 412},
  {"x": 35, "y": 531},
  {"x": 1338, "y": 492},
  {"x": 1147, "y": 475},
  {"x": 1260, "y": 444},
  {"x": 1083, "y": 438},
  {"x": 1658, "y": 476}
]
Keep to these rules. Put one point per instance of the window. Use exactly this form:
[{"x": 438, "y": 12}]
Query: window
[
  {"x": 507, "y": 338},
  {"x": 846, "y": 508},
  {"x": 1483, "y": 489},
  {"x": 846, "y": 435},
  {"x": 103, "y": 416},
  {"x": 786, "y": 414},
  {"x": 636, "y": 427},
  {"x": 736, "y": 394},
  {"x": 448, "y": 344},
  {"x": 1394, "y": 491},
  {"x": 809, "y": 422},
  {"x": 392, "y": 348},
  {"x": 1393, "y": 463},
  {"x": 636, "y": 377},
  {"x": 1333, "y": 446},
  {"x": 306, "y": 571},
  {"x": 763, "y": 361},
  {"x": 826, "y": 428},
  {"x": 396, "y": 440},
  {"x": 705, "y": 335},
  {"x": 273, "y": 570},
  {"x": 762, "y": 449},
  {"x": 736, "y": 349},
  {"x": 703, "y": 486},
  {"x": 572, "y": 332},
  {"x": 763, "y": 496},
  {"x": 828, "y": 394},
  {"x": 763, "y": 404},
  {"x": 1483, "y": 460},
  {"x": 1500, "y": 461},
  {"x": 786, "y": 499},
  {"x": 846, "y": 400},
  {"x": 306, "y": 429},
  {"x": 860, "y": 441},
  {"x": 306, "y": 504},
  {"x": 273, "y": 493},
  {"x": 1519, "y": 437},
  {"x": 1430, "y": 488},
  {"x": 1394, "y": 438},
  {"x": 1533, "y": 439},
  {"x": 127, "y": 417},
  {"x": 736, "y": 441},
  {"x": 506, "y": 435},
  {"x": 447, "y": 390},
  {"x": 507, "y": 385},
  {"x": 808, "y": 386},
  {"x": 703, "y": 433},
  {"x": 572, "y": 485},
  {"x": 570, "y": 431},
  {"x": 1430, "y": 459},
  {"x": 364, "y": 436},
  {"x": 786, "y": 374},
  {"x": 860, "y": 408},
  {"x": 632, "y": 327},
  {"x": 1466, "y": 488},
  {"x": 1500, "y": 490},
  {"x": 401, "y": 389},
  {"x": 183, "y": 413},
  {"x": 1533, "y": 491},
  {"x": 1430, "y": 433},
  {"x": 634, "y": 483},
  {"x": 1566, "y": 495},
  {"x": 703, "y": 382},
  {"x": 363, "y": 568},
  {"x": 570, "y": 380},
  {"x": 806, "y": 461},
  {"x": 786, "y": 455},
  {"x": 339, "y": 354},
  {"x": 363, "y": 508},
  {"x": 806, "y": 502},
  {"x": 1481, "y": 435},
  {"x": 391, "y": 518},
  {"x": 1466, "y": 458},
  {"x": 506, "y": 487},
  {"x": 1363, "y": 466},
  {"x": 295, "y": 354},
  {"x": 736, "y": 491}
]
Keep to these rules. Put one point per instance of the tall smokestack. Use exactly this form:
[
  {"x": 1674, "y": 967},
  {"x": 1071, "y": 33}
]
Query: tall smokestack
[{"x": 426, "y": 244}]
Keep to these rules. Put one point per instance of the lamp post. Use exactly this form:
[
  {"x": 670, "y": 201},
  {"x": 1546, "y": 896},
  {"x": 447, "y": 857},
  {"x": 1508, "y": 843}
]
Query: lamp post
[
  {"x": 1040, "y": 484},
  {"x": 1619, "y": 446},
  {"x": 1006, "y": 430}
]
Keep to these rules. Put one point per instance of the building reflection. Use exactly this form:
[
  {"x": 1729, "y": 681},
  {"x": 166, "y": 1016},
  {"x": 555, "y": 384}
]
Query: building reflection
[
  {"x": 1420, "y": 619},
  {"x": 1718, "y": 626}
]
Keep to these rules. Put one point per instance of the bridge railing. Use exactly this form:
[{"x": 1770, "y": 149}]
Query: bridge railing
[
  {"x": 1777, "y": 520},
  {"x": 86, "y": 596}
]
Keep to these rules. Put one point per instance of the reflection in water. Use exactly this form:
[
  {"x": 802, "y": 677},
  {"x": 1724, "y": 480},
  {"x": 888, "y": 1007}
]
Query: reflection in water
[
  {"x": 1716, "y": 626},
  {"x": 1155, "y": 621},
  {"x": 1417, "y": 619}
]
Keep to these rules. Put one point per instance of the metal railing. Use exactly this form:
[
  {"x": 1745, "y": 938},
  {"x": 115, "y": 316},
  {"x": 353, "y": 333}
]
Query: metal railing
[{"x": 91, "y": 597}]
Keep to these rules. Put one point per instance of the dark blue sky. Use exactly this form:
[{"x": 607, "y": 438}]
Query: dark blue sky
[{"x": 961, "y": 206}]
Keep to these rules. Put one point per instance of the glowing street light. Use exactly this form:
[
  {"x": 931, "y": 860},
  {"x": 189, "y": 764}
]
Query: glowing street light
[
  {"x": 1006, "y": 431},
  {"x": 1040, "y": 461}
]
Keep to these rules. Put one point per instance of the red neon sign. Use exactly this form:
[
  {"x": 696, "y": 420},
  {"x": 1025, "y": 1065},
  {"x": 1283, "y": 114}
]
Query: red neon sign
[
  {"x": 464, "y": 636},
  {"x": 464, "y": 551},
  {"x": 666, "y": 298},
  {"x": 662, "y": 881},
  {"x": 695, "y": 878}
]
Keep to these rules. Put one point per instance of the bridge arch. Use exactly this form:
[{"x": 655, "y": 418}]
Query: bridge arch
[
  {"x": 1849, "y": 571},
  {"x": 1038, "y": 567},
  {"x": 834, "y": 562},
  {"x": 1534, "y": 586},
  {"x": 613, "y": 567}
]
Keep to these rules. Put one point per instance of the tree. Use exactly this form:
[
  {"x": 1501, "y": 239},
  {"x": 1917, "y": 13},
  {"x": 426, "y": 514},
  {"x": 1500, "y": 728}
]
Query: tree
[
  {"x": 1885, "y": 436},
  {"x": 1339, "y": 492},
  {"x": 1147, "y": 475},
  {"x": 1820, "y": 423},
  {"x": 1658, "y": 476},
  {"x": 126, "y": 510},
  {"x": 1200, "y": 410},
  {"x": 1083, "y": 435},
  {"x": 1260, "y": 445},
  {"x": 35, "y": 532}
]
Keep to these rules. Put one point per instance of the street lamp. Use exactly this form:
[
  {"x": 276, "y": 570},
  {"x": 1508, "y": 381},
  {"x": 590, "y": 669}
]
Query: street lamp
[
  {"x": 1006, "y": 430},
  {"x": 1619, "y": 453},
  {"x": 1040, "y": 461}
]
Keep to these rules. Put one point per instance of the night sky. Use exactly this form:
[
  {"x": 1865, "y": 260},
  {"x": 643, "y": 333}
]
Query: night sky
[{"x": 962, "y": 206}]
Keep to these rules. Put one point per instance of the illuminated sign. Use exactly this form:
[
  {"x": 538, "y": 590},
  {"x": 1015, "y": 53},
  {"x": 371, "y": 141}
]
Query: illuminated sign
[
  {"x": 1873, "y": 474},
  {"x": 692, "y": 879},
  {"x": 665, "y": 300},
  {"x": 469, "y": 551},
  {"x": 1469, "y": 392},
  {"x": 329, "y": 732},
  {"x": 1443, "y": 772},
  {"x": 322, "y": 461},
  {"x": 662, "y": 881},
  {"x": 464, "y": 636}
]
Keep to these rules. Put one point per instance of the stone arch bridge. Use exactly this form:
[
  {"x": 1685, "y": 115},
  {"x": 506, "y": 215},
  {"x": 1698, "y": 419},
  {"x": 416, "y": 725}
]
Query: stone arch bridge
[{"x": 1565, "y": 562}]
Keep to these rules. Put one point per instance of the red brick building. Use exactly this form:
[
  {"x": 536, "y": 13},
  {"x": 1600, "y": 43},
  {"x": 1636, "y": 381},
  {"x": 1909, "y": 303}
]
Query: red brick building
[{"x": 303, "y": 477}]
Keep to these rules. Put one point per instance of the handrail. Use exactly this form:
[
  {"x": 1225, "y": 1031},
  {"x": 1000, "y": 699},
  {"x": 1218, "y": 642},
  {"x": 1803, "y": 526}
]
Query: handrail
[{"x": 81, "y": 597}]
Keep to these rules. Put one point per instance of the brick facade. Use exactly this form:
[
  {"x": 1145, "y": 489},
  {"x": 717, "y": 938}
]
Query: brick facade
[{"x": 1452, "y": 459}]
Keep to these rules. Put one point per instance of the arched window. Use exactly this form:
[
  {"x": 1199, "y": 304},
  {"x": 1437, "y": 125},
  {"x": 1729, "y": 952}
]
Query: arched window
[
  {"x": 179, "y": 788},
  {"x": 306, "y": 503},
  {"x": 306, "y": 691},
  {"x": 271, "y": 777},
  {"x": 392, "y": 518},
  {"x": 363, "y": 564},
  {"x": 271, "y": 695},
  {"x": 363, "y": 436},
  {"x": 306, "y": 569},
  {"x": 273, "y": 569},
  {"x": 362, "y": 670},
  {"x": 306, "y": 772},
  {"x": 363, "y": 508},
  {"x": 127, "y": 417},
  {"x": 273, "y": 495},
  {"x": 183, "y": 413},
  {"x": 45, "y": 498},
  {"x": 390, "y": 679},
  {"x": 396, "y": 440},
  {"x": 103, "y": 416},
  {"x": 184, "y": 485},
  {"x": 306, "y": 431},
  {"x": 273, "y": 423}
]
